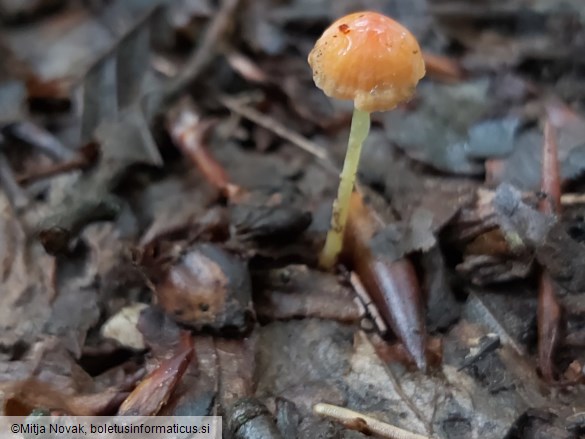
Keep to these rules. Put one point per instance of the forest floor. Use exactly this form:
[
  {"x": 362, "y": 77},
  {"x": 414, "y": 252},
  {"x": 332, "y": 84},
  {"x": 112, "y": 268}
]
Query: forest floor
[{"x": 168, "y": 169}]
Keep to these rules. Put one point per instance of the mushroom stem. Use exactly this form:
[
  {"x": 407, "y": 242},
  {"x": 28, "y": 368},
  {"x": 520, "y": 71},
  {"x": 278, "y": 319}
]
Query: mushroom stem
[{"x": 360, "y": 126}]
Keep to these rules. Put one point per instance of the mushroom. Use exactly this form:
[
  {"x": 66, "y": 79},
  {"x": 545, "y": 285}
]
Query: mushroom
[{"x": 376, "y": 62}]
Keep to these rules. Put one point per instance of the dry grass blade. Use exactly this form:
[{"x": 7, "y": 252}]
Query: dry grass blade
[
  {"x": 572, "y": 199},
  {"x": 549, "y": 309},
  {"x": 363, "y": 423},
  {"x": 279, "y": 129},
  {"x": 205, "y": 52},
  {"x": 551, "y": 175}
]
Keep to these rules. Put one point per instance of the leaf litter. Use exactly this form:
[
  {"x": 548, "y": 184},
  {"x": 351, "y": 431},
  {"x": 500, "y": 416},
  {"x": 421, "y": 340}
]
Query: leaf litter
[{"x": 96, "y": 248}]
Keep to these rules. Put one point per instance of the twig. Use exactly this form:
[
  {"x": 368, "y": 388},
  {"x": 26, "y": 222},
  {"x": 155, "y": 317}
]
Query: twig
[
  {"x": 40, "y": 139},
  {"x": 201, "y": 58},
  {"x": 367, "y": 302},
  {"x": 569, "y": 199},
  {"x": 51, "y": 171},
  {"x": 549, "y": 309},
  {"x": 572, "y": 199},
  {"x": 280, "y": 130},
  {"x": 189, "y": 132},
  {"x": 81, "y": 160},
  {"x": 551, "y": 179},
  {"x": 205, "y": 52},
  {"x": 364, "y": 424},
  {"x": 246, "y": 68}
]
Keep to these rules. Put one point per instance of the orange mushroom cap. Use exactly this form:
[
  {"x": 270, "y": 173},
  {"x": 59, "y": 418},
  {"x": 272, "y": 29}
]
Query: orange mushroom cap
[{"x": 368, "y": 58}]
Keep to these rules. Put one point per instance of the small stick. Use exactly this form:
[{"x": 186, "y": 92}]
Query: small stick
[
  {"x": 79, "y": 162},
  {"x": 51, "y": 171},
  {"x": 189, "y": 133},
  {"x": 40, "y": 139},
  {"x": 549, "y": 309},
  {"x": 572, "y": 199},
  {"x": 551, "y": 179},
  {"x": 363, "y": 423},
  {"x": 205, "y": 52},
  {"x": 569, "y": 199},
  {"x": 246, "y": 68},
  {"x": 280, "y": 130},
  {"x": 367, "y": 302}
]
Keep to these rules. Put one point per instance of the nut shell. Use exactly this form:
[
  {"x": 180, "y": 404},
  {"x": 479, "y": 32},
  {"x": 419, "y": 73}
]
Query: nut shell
[{"x": 368, "y": 58}]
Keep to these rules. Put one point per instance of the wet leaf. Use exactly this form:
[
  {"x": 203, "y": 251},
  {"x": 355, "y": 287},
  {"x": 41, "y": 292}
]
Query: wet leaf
[
  {"x": 49, "y": 378},
  {"x": 523, "y": 167},
  {"x": 155, "y": 389},
  {"x": 448, "y": 127}
]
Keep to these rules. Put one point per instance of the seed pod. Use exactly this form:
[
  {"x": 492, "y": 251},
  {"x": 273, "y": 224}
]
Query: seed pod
[
  {"x": 391, "y": 283},
  {"x": 208, "y": 288}
]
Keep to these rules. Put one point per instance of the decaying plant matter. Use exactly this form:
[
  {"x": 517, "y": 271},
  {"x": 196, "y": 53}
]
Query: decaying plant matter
[{"x": 167, "y": 170}]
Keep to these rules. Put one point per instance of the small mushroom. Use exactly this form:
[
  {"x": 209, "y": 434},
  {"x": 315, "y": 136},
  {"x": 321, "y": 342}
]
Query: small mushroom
[{"x": 376, "y": 62}]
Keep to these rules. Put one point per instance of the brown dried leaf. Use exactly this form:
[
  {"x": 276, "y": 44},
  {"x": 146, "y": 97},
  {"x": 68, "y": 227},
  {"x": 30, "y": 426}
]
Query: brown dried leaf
[
  {"x": 28, "y": 283},
  {"x": 155, "y": 390}
]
